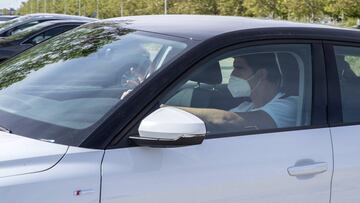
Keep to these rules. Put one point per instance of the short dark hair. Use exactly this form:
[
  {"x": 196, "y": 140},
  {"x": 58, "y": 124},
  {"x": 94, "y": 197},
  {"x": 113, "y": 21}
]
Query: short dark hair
[{"x": 264, "y": 60}]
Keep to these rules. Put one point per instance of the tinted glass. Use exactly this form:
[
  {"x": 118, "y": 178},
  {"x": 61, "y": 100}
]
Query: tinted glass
[
  {"x": 8, "y": 24},
  {"x": 348, "y": 65},
  {"x": 262, "y": 87},
  {"x": 60, "y": 88},
  {"x": 22, "y": 27},
  {"x": 50, "y": 33},
  {"x": 21, "y": 34}
]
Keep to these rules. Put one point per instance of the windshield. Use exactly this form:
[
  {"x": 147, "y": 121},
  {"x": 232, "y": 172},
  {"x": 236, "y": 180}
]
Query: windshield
[{"x": 70, "y": 82}]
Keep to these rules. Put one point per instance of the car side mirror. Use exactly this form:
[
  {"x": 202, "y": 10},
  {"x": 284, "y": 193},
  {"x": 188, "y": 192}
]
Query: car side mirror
[{"x": 170, "y": 127}]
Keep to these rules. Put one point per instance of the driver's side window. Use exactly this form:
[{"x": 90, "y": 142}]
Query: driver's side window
[{"x": 260, "y": 87}]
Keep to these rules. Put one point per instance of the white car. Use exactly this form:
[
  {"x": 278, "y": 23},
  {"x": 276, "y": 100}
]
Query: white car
[{"x": 183, "y": 109}]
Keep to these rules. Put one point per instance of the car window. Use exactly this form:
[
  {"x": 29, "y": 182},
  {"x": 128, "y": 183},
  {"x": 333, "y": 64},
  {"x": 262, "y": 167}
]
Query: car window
[
  {"x": 49, "y": 34},
  {"x": 226, "y": 68},
  {"x": 261, "y": 87},
  {"x": 8, "y": 24},
  {"x": 348, "y": 66},
  {"x": 22, "y": 27},
  {"x": 66, "y": 85}
]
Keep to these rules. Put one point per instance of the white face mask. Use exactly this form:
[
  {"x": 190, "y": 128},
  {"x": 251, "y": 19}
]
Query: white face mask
[{"x": 239, "y": 87}]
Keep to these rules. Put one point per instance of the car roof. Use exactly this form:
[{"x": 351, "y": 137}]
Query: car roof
[{"x": 201, "y": 27}]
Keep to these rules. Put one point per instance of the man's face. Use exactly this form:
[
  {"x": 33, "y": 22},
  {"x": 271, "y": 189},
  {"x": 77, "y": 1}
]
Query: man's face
[{"x": 241, "y": 68}]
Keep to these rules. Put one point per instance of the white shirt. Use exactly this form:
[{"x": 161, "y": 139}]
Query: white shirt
[{"x": 282, "y": 110}]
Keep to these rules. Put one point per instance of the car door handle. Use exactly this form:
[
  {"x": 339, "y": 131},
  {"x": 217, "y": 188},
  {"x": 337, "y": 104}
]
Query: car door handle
[{"x": 310, "y": 169}]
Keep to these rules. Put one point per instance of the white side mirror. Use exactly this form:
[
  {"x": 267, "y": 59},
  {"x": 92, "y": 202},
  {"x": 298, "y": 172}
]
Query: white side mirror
[{"x": 170, "y": 126}]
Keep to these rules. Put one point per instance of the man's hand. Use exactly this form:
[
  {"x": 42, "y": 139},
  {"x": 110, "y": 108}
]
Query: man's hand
[{"x": 218, "y": 121}]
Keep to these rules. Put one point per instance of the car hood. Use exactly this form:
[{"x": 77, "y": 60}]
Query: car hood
[{"x": 20, "y": 155}]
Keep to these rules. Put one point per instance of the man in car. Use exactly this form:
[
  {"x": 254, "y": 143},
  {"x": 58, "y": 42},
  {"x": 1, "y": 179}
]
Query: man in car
[
  {"x": 137, "y": 71},
  {"x": 258, "y": 77}
]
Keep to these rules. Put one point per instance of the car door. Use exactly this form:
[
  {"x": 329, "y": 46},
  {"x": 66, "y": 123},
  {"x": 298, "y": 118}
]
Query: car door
[
  {"x": 257, "y": 163},
  {"x": 343, "y": 61}
]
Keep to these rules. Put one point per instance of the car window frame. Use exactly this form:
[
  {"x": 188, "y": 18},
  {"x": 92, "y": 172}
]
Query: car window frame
[
  {"x": 319, "y": 96},
  {"x": 335, "y": 113}
]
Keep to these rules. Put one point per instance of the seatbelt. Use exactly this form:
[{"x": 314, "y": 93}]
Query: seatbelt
[{"x": 280, "y": 71}]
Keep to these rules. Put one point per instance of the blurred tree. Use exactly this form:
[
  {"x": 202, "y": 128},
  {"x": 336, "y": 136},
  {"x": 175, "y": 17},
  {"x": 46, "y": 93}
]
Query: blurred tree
[
  {"x": 305, "y": 10},
  {"x": 266, "y": 8},
  {"x": 343, "y": 8},
  {"x": 194, "y": 7},
  {"x": 231, "y": 7}
]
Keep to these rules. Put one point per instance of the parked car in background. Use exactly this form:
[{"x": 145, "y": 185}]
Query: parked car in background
[
  {"x": 357, "y": 27},
  {"x": 183, "y": 109},
  {"x": 31, "y": 36},
  {"x": 13, "y": 26},
  {"x": 4, "y": 18}
]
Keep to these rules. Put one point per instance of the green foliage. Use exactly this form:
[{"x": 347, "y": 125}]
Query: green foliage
[
  {"x": 306, "y": 10},
  {"x": 264, "y": 8},
  {"x": 348, "y": 8},
  {"x": 231, "y": 7},
  {"x": 193, "y": 7},
  {"x": 300, "y": 10}
]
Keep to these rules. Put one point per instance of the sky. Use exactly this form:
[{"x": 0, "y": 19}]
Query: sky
[{"x": 10, "y": 3}]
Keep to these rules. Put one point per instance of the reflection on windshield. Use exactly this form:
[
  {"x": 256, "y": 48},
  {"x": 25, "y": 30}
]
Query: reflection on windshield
[
  {"x": 60, "y": 49},
  {"x": 74, "y": 79}
]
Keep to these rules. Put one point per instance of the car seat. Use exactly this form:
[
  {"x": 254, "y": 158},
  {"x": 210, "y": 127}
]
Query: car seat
[
  {"x": 199, "y": 92},
  {"x": 291, "y": 70}
]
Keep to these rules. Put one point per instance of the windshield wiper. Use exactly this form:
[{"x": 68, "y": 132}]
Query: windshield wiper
[{"x": 4, "y": 129}]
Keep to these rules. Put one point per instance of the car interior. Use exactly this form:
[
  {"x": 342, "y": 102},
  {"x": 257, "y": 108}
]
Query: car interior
[{"x": 206, "y": 88}]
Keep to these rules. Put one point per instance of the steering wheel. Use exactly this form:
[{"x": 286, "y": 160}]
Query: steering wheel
[{"x": 132, "y": 76}]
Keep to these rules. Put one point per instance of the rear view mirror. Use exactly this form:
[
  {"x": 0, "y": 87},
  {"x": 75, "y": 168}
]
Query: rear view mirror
[{"x": 170, "y": 127}]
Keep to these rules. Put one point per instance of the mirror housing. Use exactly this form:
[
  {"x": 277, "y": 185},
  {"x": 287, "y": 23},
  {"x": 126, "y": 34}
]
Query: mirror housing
[{"x": 170, "y": 127}]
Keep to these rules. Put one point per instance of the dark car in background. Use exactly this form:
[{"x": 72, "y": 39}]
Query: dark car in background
[
  {"x": 6, "y": 18},
  {"x": 13, "y": 26},
  {"x": 29, "y": 37}
]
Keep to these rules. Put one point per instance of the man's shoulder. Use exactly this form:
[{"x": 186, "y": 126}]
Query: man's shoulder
[
  {"x": 283, "y": 103},
  {"x": 290, "y": 99},
  {"x": 283, "y": 98},
  {"x": 243, "y": 107}
]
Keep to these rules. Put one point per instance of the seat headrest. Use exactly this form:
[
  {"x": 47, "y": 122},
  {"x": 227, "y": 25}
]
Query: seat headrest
[
  {"x": 290, "y": 74},
  {"x": 209, "y": 73}
]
